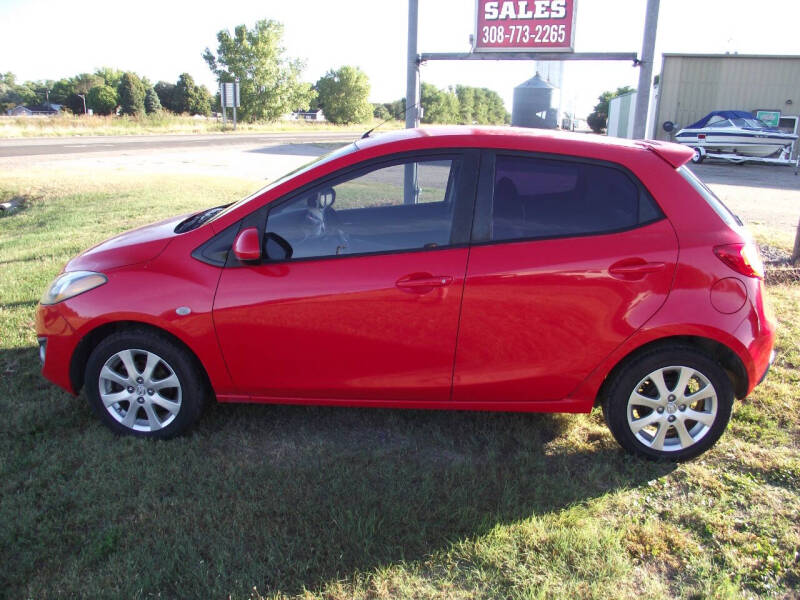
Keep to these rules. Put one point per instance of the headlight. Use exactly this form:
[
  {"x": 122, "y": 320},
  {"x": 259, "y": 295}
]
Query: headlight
[{"x": 71, "y": 284}]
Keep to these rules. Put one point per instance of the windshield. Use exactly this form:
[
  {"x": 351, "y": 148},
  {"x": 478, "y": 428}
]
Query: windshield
[
  {"x": 339, "y": 152},
  {"x": 752, "y": 123}
]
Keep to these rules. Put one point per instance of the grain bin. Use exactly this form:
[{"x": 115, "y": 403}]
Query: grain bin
[{"x": 533, "y": 104}]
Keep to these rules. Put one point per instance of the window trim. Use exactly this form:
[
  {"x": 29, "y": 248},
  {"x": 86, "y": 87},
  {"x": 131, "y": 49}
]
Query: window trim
[
  {"x": 481, "y": 228},
  {"x": 463, "y": 208}
]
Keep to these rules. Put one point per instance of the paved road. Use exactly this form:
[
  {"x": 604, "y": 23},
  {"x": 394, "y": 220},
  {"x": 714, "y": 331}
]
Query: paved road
[{"x": 45, "y": 146}]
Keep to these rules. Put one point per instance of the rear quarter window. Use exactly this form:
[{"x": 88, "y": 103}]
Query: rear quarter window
[{"x": 710, "y": 197}]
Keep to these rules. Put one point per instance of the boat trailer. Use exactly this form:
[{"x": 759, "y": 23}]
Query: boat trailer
[{"x": 784, "y": 159}]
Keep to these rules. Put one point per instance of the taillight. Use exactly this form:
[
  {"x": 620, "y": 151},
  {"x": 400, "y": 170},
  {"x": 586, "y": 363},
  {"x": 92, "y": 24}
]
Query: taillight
[{"x": 742, "y": 258}]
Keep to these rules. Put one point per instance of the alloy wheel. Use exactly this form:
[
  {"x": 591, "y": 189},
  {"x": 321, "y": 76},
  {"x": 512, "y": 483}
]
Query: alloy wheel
[
  {"x": 672, "y": 408},
  {"x": 140, "y": 390}
]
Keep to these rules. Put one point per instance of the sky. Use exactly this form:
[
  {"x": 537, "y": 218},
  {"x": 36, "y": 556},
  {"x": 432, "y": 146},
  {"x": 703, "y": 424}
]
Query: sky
[{"x": 51, "y": 39}]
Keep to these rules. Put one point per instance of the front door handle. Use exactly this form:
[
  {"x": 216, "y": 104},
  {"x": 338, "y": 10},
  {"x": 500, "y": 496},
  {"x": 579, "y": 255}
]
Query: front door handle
[
  {"x": 634, "y": 269},
  {"x": 422, "y": 283}
]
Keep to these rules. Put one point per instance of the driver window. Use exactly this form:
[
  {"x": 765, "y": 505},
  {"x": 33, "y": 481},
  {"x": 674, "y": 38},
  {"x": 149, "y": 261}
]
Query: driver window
[{"x": 372, "y": 212}]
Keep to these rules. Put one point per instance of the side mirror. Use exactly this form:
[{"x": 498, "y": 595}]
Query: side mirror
[
  {"x": 276, "y": 247},
  {"x": 247, "y": 246}
]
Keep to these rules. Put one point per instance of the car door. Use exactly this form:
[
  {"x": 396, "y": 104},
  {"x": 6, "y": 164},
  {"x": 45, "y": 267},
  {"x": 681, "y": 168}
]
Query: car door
[
  {"x": 570, "y": 257},
  {"x": 367, "y": 305}
]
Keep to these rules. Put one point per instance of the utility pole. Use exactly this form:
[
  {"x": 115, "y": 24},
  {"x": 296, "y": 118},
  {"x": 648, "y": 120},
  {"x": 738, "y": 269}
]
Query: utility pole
[
  {"x": 646, "y": 70},
  {"x": 83, "y": 97},
  {"x": 412, "y": 98}
]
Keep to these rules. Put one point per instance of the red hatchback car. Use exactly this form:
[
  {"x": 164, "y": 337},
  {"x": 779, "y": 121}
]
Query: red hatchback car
[{"x": 455, "y": 268}]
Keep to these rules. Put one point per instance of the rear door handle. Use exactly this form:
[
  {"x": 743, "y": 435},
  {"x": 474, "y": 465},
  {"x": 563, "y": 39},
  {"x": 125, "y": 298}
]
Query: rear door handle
[
  {"x": 423, "y": 283},
  {"x": 634, "y": 270}
]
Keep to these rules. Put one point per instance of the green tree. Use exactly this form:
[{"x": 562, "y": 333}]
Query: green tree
[
  {"x": 13, "y": 94},
  {"x": 380, "y": 112},
  {"x": 41, "y": 89},
  {"x": 270, "y": 83},
  {"x": 397, "y": 109},
  {"x": 343, "y": 95},
  {"x": 184, "y": 93},
  {"x": 190, "y": 98},
  {"x": 86, "y": 81},
  {"x": 439, "y": 106},
  {"x": 151, "y": 102},
  {"x": 496, "y": 109},
  {"x": 166, "y": 95},
  {"x": 598, "y": 118},
  {"x": 131, "y": 95},
  {"x": 102, "y": 99},
  {"x": 62, "y": 89},
  {"x": 481, "y": 114},
  {"x": 466, "y": 104},
  {"x": 64, "y": 93},
  {"x": 203, "y": 101},
  {"x": 112, "y": 77}
]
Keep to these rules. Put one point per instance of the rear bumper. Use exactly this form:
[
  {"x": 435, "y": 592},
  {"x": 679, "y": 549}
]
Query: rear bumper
[{"x": 769, "y": 364}]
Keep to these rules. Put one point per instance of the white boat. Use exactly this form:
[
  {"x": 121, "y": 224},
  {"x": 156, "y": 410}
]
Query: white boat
[{"x": 735, "y": 132}]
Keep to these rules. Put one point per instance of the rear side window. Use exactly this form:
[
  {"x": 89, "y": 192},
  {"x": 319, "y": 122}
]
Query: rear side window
[{"x": 541, "y": 198}]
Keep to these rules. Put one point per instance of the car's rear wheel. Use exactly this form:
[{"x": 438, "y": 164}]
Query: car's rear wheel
[
  {"x": 672, "y": 403},
  {"x": 142, "y": 383}
]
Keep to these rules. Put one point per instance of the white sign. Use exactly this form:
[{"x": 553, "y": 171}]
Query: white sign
[{"x": 229, "y": 94}]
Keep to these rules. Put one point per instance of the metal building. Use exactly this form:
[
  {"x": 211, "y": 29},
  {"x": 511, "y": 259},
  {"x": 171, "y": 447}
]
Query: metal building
[{"x": 692, "y": 85}]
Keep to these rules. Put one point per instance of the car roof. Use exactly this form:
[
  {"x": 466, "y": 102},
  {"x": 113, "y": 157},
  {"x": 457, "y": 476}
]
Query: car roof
[{"x": 542, "y": 140}]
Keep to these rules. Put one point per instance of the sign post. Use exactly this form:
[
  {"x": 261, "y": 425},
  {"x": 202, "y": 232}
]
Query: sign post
[
  {"x": 235, "y": 100},
  {"x": 646, "y": 70},
  {"x": 229, "y": 97},
  {"x": 412, "y": 98},
  {"x": 524, "y": 30}
]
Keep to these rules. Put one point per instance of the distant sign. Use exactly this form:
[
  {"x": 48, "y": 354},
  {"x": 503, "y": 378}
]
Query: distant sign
[
  {"x": 524, "y": 26},
  {"x": 770, "y": 117},
  {"x": 229, "y": 94}
]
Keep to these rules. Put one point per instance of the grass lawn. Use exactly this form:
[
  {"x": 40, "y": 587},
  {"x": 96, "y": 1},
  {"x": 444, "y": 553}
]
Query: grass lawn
[
  {"x": 262, "y": 501},
  {"x": 162, "y": 123}
]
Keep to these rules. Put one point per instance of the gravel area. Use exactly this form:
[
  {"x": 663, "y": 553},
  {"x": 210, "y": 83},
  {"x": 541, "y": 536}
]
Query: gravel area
[{"x": 765, "y": 195}]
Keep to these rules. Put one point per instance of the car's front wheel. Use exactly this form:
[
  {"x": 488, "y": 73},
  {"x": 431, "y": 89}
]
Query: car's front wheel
[
  {"x": 142, "y": 383},
  {"x": 671, "y": 403}
]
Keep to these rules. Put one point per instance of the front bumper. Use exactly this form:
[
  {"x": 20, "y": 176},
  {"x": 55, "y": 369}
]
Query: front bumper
[
  {"x": 42, "y": 349},
  {"x": 57, "y": 342}
]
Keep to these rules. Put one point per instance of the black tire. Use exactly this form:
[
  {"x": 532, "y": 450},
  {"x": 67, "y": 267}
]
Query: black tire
[
  {"x": 698, "y": 157},
  {"x": 185, "y": 400},
  {"x": 623, "y": 417}
]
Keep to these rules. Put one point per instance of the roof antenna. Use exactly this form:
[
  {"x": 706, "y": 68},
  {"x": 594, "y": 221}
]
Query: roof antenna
[{"x": 393, "y": 117}]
